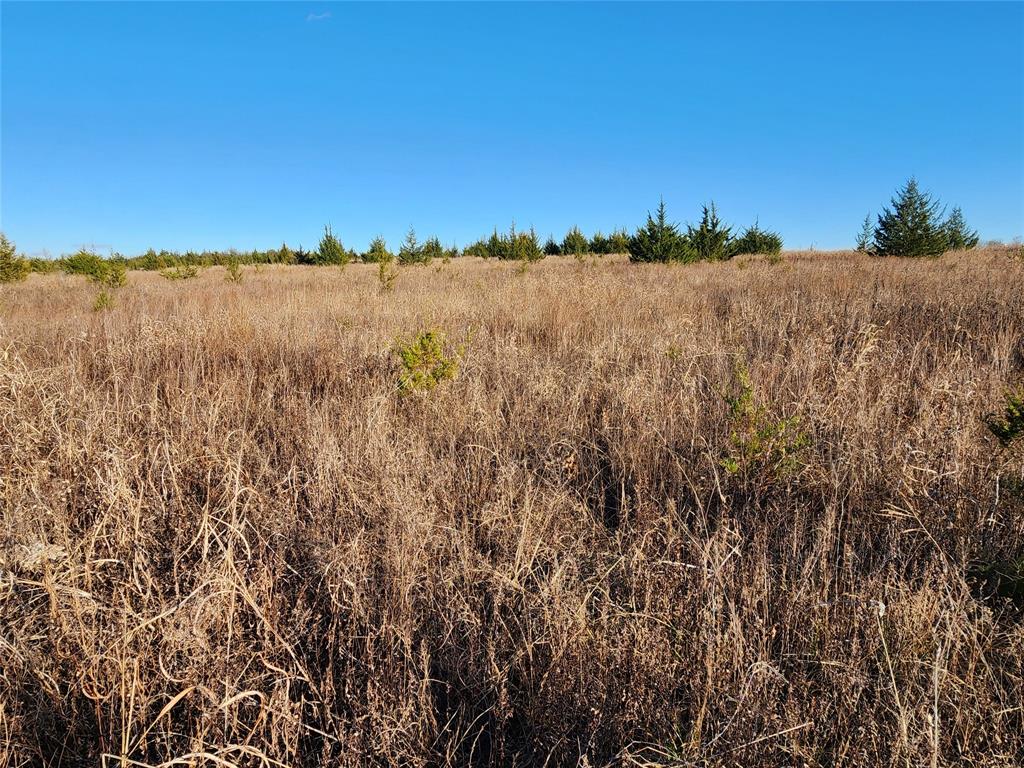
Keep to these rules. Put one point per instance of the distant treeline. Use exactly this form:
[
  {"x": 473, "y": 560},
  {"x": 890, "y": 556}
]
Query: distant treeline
[
  {"x": 913, "y": 226},
  {"x": 710, "y": 240}
]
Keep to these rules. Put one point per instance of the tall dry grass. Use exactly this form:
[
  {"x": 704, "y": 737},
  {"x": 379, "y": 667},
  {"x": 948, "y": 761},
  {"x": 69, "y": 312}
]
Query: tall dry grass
[{"x": 227, "y": 539}]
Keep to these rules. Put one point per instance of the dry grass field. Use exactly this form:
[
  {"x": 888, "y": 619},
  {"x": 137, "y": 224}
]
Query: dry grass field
[{"x": 727, "y": 514}]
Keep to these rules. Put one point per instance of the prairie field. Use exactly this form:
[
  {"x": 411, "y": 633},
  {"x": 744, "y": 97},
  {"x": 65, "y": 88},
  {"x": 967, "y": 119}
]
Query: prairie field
[{"x": 725, "y": 514}]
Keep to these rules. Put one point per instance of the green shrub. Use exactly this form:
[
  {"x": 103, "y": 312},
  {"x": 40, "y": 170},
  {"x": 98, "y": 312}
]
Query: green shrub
[
  {"x": 761, "y": 448},
  {"x": 618, "y": 241},
  {"x": 43, "y": 266},
  {"x": 104, "y": 300},
  {"x": 331, "y": 251},
  {"x": 478, "y": 249},
  {"x": 513, "y": 245},
  {"x": 959, "y": 237},
  {"x": 659, "y": 241},
  {"x": 865, "y": 235},
  {"x": 599, "y": 244},
  {"x": 13, "y": 268},
  {"x": 551, "y": 248},
  {"x": 710, "y": 240},
  {"x": 911, "y": 227},
  {"x": 85, "y": 263},
  {"x": 411, "y": 251},
  {"x": 1010, "y": 426},
  {"x": 523, "y": 246},
  {"x": 378, "y": 251},
  {"x": 575, "y": 243},
  {"x": 757, "y": 240},
  {"x": 114, "y": 274},
  {"x": 234, "y": 272},
  {"x": 425, "y": 362},
  {"x": 432, "y": 249},
  {"x": 387, "y": 273},
  {"x": 497, "y": 246},
  {"x": 180, "y": 273},
  {"x": 283, "y": 255},
  {"x": 110, "y": 276}
]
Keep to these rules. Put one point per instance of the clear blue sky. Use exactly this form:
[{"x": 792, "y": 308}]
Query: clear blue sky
[{"x": 210, "y": 125}]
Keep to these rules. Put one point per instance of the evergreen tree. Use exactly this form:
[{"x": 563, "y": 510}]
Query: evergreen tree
[
  {"x": 618, "y": 241},
  {"x": 659, "y": 240},
  {"x": 912, "y": 226},
  {"x": 600, "y": 244},
  {"x": 757, "y": 240},
  {"x": 285, "y": 255},
  {"x": 13, "y": 268},
  {"x": 865, "y": 235},
  {"x": 497, "y": 246},
  {"x": 710, "y": 240},
  {"x": 378, "y": 252},
  {"x": 551, "y": 248},
  {"x": 432, "y": 249},
  {"x": 575, "y": 243},
  {"x": 959, "y": 237},
  {"x": 524, "y": 245},
  {"x": 331, "y": 251},
  {"x": 478, "y": 249},
  {"x": 411, "y": 251}
]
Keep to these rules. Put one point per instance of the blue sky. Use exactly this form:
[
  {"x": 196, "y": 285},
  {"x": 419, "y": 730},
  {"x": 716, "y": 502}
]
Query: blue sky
[{"x": 211, "y": 125}]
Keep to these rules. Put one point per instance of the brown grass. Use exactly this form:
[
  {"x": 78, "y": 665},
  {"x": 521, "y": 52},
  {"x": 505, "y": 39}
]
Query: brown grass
[{"x": 226, "y": 538}]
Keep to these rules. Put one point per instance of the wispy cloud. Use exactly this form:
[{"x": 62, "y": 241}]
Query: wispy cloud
[{"x": 318, "y": 16}]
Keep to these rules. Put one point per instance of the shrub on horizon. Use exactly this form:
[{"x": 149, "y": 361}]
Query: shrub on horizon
[
  {"x": 575, "y": 243},
  {"x": 618, "y": 241},
  {"x": 378, "y": 251},
  {"x": 911, "y": 227},
  {"x": 599, "y": 244},
  {"x": 181, "y": 272},
  {"x": 432, "y": 249},
  {"x": 865, "y": 235},
  {"x": 959, "y": 237},
  {"x": 478, "y": 249},
  {"x": 659, "y": 240},
  {"x": 85, "y": 263},
  {"x": 331, "y": 251},
  {"x": 13, "y": 268},
  {"x": 710, "y": 240},
  {"x": 412, "y": 251},
  {"x": 757, "y": 240}
]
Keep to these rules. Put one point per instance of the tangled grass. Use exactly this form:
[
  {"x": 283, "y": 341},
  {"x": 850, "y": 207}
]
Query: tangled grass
[{"x": 228, "y": 539}]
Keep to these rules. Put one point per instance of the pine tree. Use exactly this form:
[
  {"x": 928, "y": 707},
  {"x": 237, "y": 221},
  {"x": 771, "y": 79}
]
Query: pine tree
[
  {"x": 13, "y": 268},
  {"x": 911, "y": 227},
  {"x": 378, "y": 252},
  {"x": 285, "y": 255},
  {"x": 659, "y": 240},
  {"x": 432, "y": 249},
  {"x": 524, "y": 245},
  {"x": 959, "y": 237},
  {"x": 411, "y": 251},
  {"x": 600, "y": 244},
  {"x": 551, "y": 248},
  {"x": 618, "y": 241},
  {"x": 865, "y": 235},
  {"x": 757, "y": 240},
  {"x": 497, "y": 246},
  {"x": 575, "y": 243},
  {"x": 331, "y": 250},
  {"x": 711, "y": 241}
]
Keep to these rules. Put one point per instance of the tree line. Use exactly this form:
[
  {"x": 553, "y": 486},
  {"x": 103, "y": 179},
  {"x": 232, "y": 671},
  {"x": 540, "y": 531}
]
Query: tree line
[{"x": 914, "y": 224}]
